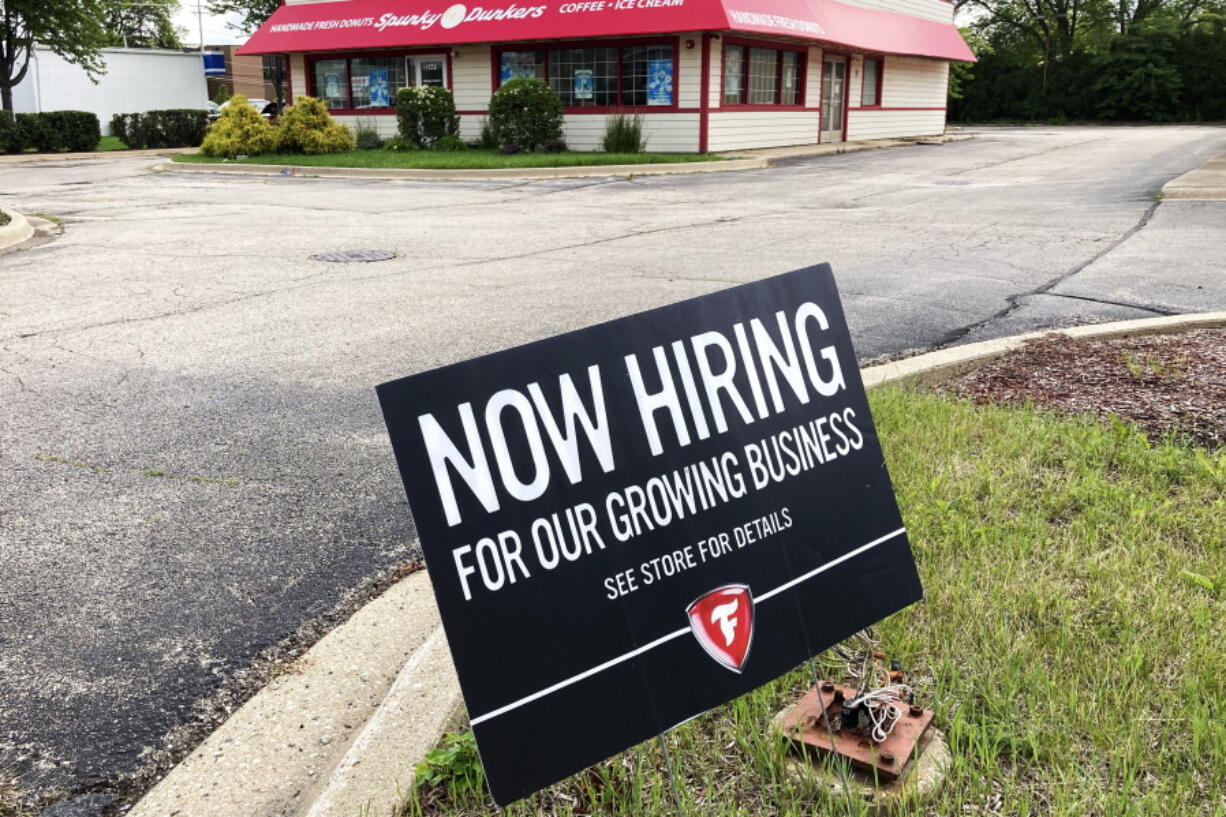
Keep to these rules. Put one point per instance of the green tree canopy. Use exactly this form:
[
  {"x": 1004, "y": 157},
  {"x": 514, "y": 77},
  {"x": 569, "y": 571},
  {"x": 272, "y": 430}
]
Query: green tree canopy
[
  {"x": 73, "y": 29},
  {"x": 254, "y": 12},
  {"x": 142, "y": 23}
]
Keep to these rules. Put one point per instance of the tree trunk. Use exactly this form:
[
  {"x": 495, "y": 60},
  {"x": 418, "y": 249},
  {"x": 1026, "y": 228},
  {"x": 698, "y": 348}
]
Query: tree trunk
[{"x": 6, "y": 98}]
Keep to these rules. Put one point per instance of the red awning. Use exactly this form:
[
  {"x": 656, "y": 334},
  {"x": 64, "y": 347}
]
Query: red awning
[{"x": 367, "y": 24}]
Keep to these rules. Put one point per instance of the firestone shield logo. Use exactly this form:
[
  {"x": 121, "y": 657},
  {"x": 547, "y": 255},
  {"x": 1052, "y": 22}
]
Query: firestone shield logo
[{"x": 722, "y": 621}]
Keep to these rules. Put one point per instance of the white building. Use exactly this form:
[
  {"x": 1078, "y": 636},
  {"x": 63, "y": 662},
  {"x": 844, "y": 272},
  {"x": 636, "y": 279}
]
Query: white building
[
  {"x": 707, "y": 75},
  {"x": 136, "y": 80}
]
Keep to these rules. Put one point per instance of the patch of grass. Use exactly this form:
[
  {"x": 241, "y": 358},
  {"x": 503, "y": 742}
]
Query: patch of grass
[
  {"x": 4, "y": 218},
  {"x": 1146, "y": 366},
  {"x": 1071, "y": 641},
  {"x": 56, "y": 220},
  {"x": 112, "y": 143},
  {"x": 146, "y": 472},
  {"x": 460, "y": 160}
]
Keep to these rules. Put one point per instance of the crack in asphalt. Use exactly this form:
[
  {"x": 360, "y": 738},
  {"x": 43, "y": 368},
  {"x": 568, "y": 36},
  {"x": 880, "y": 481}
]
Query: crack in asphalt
[
  {"x": 1014, "y": 301},
  {"x": 1140, "y": 307}
]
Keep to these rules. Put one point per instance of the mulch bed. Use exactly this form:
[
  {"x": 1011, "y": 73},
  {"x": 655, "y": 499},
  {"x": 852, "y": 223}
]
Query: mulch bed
[{"x": 1164, "y": 384}]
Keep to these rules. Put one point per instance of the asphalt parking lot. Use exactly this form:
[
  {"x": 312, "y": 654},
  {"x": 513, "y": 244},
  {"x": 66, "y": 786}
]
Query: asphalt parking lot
[{"x": 193, "y": 465}]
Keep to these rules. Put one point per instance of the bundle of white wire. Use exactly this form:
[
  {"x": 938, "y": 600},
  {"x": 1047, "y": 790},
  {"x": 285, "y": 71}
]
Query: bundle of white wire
[{"x": 881, "y": 712}]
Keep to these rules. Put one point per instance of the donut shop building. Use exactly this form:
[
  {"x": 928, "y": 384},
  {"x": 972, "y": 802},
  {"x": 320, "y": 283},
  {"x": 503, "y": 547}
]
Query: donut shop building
[{"x": 707, "y": 75}]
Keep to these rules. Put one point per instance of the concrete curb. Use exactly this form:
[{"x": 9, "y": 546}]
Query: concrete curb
[
  {"x": 19, "y": 158},
  {"x": 339, "y": 735},
  {"x": 943, "y": 364},
  {"x": 18, "y": 230},
  {"x": 1205, "y": 183},
  {"x": 739, "y": 160}
]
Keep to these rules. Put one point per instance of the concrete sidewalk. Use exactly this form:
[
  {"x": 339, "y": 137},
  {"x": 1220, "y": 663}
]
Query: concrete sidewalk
[
  {"x": 1206, "y": 183},
  {"x": 735, "y": 160},
  {"x": 23, "y": 158},
  {"x": 339, "y": 733}
]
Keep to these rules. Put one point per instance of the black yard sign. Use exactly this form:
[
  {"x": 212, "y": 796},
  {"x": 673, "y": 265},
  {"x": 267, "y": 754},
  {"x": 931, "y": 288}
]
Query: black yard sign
[{"x": 633, "y": 523}]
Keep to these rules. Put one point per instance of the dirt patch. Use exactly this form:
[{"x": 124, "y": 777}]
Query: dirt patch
[
  {"x": 4, "y": 218},
  {"x": 1164, "y": 384}
]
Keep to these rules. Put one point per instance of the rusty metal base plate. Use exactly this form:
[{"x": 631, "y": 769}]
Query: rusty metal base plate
[{"x": 803, "y": 723}]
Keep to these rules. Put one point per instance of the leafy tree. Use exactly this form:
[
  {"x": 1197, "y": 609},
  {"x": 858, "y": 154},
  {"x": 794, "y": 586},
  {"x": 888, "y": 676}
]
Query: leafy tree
[
  {"x": 254, "y": 12},
  {"x": 73, "y": 30},
  {"x": 138, "y": 24},
  {"x": 1138, "y": 78}
]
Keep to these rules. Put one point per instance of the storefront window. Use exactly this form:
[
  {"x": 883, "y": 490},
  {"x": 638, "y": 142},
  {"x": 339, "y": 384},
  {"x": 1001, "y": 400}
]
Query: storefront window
[
  {"x": 584, "y": 77},
  {"x": 763, "y": 74},
  {"x": 647, "y": 75},
  {"x": 374, "y": 81},
  {"x": 734, "y": 72},
  {"x": 332, "y": 82},
  {"x": 872, "y": 79},
  {"x": 520, "y": 65},
  {"x": 789, "y": 94}
]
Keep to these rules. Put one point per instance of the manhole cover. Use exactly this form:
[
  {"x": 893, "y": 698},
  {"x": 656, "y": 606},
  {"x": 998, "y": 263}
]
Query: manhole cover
[{"x": 354, "y": 256}]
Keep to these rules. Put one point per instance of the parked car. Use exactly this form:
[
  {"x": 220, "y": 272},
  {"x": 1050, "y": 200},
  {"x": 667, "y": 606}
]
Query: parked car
[{"x": 266, "y": 108}]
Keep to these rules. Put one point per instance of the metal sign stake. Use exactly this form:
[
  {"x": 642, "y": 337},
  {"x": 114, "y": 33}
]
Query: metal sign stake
[{"x": 672, "y": 775}]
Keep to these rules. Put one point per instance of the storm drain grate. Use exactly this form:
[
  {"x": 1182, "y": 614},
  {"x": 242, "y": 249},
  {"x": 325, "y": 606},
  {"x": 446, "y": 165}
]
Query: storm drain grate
[{"x": 354, "y": 256}]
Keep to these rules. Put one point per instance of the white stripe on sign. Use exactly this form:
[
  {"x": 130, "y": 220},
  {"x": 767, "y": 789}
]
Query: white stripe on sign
[{"x": 664, "y": 639}]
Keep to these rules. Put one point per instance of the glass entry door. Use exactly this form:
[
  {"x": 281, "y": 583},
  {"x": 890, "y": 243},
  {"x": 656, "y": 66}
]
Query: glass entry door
[
  {"x": 426, "y": 69},
  {"x": 834, "y": 84}
]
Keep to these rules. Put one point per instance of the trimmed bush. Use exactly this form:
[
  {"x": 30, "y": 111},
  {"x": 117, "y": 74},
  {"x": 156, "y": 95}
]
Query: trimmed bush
[
  {"x": 222, "y": 95},
  {"x": 37, "y": 132},
  {"x": 426, "y": 114},
  {"x": 11, "y": 140},
  {"x": 623, "y": 133},
  {"x": 171, "y": 128},
  {"x": 307, "y": 127},
  {"x": 75, "y": 130},
  {"x": 525, "y": 112},
  {"x": 240, "y": 130}
]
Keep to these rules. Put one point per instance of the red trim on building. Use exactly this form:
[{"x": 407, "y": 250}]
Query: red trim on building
[
  {"x": 884, "y": 109},
  {"x": 704, "y": 102},
  {"x": 357, "y": 24}
]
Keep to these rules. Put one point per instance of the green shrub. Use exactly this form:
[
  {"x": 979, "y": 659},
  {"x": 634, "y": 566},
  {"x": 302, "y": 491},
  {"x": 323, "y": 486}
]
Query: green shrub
[
  {"x": 307, "y": 127},
  {"x": 75, "y": 130},
  {"x": 623, "y": 133},
  {"x": 366, "y": 134},
  {"x": 525, "y": 112},
  {"x": 37, "y": 132},
  {"x": 11, "y": 137},
  {"x": 487, "y": 141},
  {"x": 449, "y": 143},
  {"x": 223, "y": 94},
  {"x": 425, "y": 114},
  {"x": 399, "y": 144},
  {"x": 171, "y": 128},
  {"x": 239, "y": 130}
]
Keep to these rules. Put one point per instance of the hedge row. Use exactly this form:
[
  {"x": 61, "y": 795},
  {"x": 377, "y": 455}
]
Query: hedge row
[
  {"x": 173, "y": 128},
  {"x": 49, "y": 132}
]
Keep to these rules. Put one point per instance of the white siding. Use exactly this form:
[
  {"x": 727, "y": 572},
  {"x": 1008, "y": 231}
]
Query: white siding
[
  {"x": 297, "y": 75},
  {"x": 870, "y": 124},
  {"x": 912, "y": 82},
  {"x": 54, "y": 84},
  {"x": 907, "y": 82},
  {"x": 739, "y": 130},
  {"x": 689, "y": 70},
  {"x": 385, "y": 124},
  {"x": 664, "y": 132},
  {"x": 813, "y": 79},
  {"x": 939, "y": 10},
  {"x": 470, "y": 77}
]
